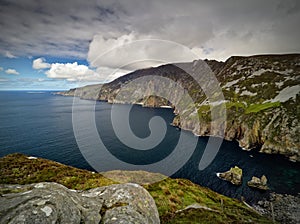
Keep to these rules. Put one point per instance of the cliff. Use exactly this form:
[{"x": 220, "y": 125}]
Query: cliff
[{"x": 261, "y": 98}]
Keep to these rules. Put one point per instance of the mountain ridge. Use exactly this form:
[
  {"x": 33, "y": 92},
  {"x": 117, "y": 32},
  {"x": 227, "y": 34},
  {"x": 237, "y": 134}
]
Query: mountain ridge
[{"x": 261, "y": 96}]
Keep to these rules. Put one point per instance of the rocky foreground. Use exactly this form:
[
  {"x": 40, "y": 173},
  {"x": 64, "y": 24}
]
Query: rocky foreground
[
  {"x": 34, "y": 190},
  {"x": 53, "y": 203},
  {"x": 261, "y": 97}
]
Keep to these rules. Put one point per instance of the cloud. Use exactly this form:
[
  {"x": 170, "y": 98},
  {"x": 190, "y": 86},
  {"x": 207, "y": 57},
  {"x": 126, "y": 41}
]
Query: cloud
[
  {"x": 3, "y": 80},
  {"x": 40, "y": 63},
  {"x": 1, "y": 68},
  {"x": 213, "y": 29},
  {"x": 47, "y": 28},
  {"x": 206, "y": 28},
  {"x": 71, "y": 72},
  {"x": 134, "y": 51},
  {"x": 106, "y": 74},
  {"x": 11, "y": 71},
  {"x": 8, "y": 54},
  {"x": 74, "y": 72}
]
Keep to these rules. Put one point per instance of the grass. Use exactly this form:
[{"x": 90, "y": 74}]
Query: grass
[
  {"x": 170, "y": 195},
  {"x": 254, "y": 108},
  {"x": 18, "y": 169}
]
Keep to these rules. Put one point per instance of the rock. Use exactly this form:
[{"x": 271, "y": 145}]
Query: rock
[
  {"x": 234, "y": 175},
  {"x": 197, "y": 206},
  {"x": 261, "y": 183},
  {"x": 286, "y": 208},
  {"x": 54, "y": 203},
  {"x": 263, "y": 180}
]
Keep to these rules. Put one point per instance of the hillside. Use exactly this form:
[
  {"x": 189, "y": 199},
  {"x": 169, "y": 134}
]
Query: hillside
[
  {"x": 261, "y": 97},
  {"x": 172, "y": 196}
]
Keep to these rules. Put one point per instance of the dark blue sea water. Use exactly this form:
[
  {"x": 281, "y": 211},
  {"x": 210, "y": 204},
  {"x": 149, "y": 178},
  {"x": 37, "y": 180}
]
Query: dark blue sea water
[{"x": 40, "y": 124}]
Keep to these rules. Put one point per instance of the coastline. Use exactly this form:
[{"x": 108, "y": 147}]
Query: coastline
[{"x": 192, "y": 130}]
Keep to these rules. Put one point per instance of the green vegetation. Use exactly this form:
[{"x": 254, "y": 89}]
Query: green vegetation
[
  {"x": 18, "y": 169},
  {"x": 170, "y": 195},
  {"x": 254, "y": 108},
  {"x": 238, "y": 108},
  {"x": 236, "y": 170}
]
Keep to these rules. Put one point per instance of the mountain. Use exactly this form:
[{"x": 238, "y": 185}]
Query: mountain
[{"x": 261, "y": 98}]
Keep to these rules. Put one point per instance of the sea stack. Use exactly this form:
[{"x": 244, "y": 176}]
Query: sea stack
[{"x": 234, "y": 175}]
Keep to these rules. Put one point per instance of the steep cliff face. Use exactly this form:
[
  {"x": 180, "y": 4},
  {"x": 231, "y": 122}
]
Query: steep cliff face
[
  {"x": 261, "y": 98},
  {"x": 263, "y": 102}
]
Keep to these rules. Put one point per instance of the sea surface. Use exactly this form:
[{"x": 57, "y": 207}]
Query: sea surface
[{"x": 40, "y": 124}]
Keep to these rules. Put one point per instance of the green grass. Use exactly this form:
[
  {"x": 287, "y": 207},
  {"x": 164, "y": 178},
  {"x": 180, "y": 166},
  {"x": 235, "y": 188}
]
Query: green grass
[
  {"x": 170, "y": 195},
  {"x": 18, "y": 169},
  {"x": 254, "y": 108}
]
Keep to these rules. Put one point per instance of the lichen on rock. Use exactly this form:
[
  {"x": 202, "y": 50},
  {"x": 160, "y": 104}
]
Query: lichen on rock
[{"x": 54, "y": 203}]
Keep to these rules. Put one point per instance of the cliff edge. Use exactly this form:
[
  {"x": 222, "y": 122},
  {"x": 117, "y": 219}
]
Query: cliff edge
[{"x": 261, "y": 94}]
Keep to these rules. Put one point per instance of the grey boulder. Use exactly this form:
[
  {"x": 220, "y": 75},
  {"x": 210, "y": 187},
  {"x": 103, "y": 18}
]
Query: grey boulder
[{"x": 53, "y": 203}]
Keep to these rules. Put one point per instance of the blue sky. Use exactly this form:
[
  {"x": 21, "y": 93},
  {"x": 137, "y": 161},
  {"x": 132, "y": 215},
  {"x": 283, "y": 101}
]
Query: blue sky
[
  {"x": 69, "y": 43},
  {"x": 29, "y": 78}
]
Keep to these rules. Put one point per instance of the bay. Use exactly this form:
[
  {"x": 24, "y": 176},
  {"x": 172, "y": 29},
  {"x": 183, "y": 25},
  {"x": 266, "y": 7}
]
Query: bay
[{"x": 40, "y": 124}]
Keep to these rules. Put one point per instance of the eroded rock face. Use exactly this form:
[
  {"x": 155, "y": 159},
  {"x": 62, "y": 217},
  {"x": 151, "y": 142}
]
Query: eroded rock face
[
  {"x": 234, "y": 175},
  {"x": 54, "y": 203}
]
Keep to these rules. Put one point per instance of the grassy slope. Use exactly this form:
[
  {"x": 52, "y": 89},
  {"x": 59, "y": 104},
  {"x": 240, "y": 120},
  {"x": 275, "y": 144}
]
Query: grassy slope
[{"x": 170, "y": 195}]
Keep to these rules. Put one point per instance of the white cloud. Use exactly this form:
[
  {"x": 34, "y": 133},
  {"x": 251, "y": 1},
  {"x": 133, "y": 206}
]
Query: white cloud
[
  {"x": 8, "y": 54},
  {"x": 106, "y": 74},
  {"x": 135, "y": 51},
  {"x": 40, "y": 63},
  {"x": 1, "y": 68},
  {"x": 72, "y": 72},
  {"x": 3, "y": 80},
  {"x": 11, "y": 71}
]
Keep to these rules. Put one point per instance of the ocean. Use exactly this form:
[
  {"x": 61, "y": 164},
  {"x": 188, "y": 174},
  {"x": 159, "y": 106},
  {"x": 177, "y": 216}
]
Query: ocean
[{"x": 41, "y": 124}]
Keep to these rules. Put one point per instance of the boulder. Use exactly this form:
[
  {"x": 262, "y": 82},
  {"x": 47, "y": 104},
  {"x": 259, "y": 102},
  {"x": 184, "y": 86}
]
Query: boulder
[
  {"x": 234, "y": 175},
  {"x": 284, "y": 208},
  {"x": 259, "y": 183},
  {"x": 54, "y": 203}
]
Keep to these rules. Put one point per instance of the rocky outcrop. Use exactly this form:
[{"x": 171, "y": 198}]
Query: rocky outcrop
[
  {"x": 197, "y": 206},
  {"x": 282, "y": 208},
  {"x": 234, "y": 175},
  {"x": 259, "y": 183},
  {"x": 261, "y": 97},
  {"x": 54, "y": 203}
]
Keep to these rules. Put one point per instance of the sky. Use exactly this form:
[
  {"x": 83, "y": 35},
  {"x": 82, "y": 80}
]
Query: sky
[{"x": 55, "y": 45}]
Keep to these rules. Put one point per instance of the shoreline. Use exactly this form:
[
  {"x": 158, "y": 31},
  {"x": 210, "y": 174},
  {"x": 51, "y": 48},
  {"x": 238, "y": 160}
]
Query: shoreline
[{"x": 186, "y": 129}]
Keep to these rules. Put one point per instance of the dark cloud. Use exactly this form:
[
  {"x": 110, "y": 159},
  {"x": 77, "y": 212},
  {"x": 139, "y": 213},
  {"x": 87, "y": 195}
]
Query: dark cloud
[
  {"x": 51, "y": 27},
  {"x": 215, "y": 29}
]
